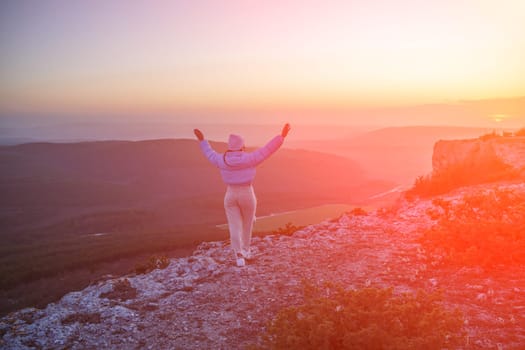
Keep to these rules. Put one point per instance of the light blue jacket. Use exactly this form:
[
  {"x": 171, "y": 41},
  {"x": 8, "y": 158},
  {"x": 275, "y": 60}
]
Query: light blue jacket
[{"x": 238, "y": 167}]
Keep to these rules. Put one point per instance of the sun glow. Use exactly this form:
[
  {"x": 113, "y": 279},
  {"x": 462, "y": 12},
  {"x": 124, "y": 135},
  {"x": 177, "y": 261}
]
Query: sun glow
[{"x": 498, "y": 118}]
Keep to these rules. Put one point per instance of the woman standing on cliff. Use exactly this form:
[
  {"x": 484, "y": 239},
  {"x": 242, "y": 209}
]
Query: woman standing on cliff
[{"x": 237, "y": 169}]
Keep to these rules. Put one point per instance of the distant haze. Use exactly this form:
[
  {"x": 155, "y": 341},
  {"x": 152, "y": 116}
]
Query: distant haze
[{"x": 254, "y": 134}]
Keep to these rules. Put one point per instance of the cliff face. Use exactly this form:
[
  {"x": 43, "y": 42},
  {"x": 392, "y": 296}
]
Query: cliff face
[
  {"x": 509, "y": 150},
  {"x": 205, "y": 302}
]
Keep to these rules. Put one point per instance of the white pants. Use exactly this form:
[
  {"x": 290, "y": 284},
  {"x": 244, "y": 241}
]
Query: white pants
[{"x": 240, "y": 204}]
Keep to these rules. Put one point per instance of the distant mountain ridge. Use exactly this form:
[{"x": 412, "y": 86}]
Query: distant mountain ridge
[
  {"x": 43, "y": 181},
  {"x": 160, "y": 175}
]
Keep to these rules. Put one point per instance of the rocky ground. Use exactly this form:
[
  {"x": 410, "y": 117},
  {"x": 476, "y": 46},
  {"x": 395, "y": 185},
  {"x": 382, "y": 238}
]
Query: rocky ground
[{"x": 205, "y": 302}]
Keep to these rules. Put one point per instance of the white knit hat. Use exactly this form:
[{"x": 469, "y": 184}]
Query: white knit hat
[{"x": 235, "y": 142}]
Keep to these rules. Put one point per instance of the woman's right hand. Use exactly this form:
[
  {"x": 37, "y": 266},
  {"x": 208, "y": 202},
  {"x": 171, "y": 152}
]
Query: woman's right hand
[
  {"x": 199, "y": 134},
  {"x": 286, "y": 129}
]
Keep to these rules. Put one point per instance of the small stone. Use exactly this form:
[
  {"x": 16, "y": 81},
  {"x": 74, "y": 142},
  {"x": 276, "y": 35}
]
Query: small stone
[{"x": 481, "y": 297}]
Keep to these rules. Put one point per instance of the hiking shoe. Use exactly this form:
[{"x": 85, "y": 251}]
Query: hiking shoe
[
  {"x": 240, "y": 262},
  {"x": 247, "y": 255}
]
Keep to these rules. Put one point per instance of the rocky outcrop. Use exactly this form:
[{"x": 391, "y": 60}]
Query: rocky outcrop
[
  {"x": 205, "y": 302},
  {"x": 509, "y": 150}
]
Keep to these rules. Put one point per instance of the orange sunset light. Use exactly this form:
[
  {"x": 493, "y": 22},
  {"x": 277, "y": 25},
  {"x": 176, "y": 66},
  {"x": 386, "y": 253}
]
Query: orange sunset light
[
  {"x": 284, "y": 56},
  {"x": 263, "y": 174}
]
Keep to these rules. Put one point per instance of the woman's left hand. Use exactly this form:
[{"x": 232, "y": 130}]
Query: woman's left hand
[
  {"x": 199, "y": 134},
  {"x": 286, "y": 129}
]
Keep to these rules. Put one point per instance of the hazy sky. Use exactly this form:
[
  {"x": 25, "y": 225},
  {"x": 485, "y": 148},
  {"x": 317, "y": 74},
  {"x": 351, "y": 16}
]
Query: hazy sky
[{"x": 392, "y": 62}]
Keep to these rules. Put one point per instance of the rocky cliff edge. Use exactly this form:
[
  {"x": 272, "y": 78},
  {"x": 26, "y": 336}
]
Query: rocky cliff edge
[
  {"x": 509, "y": 150},
  {"x": 205, "y": 302}
]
